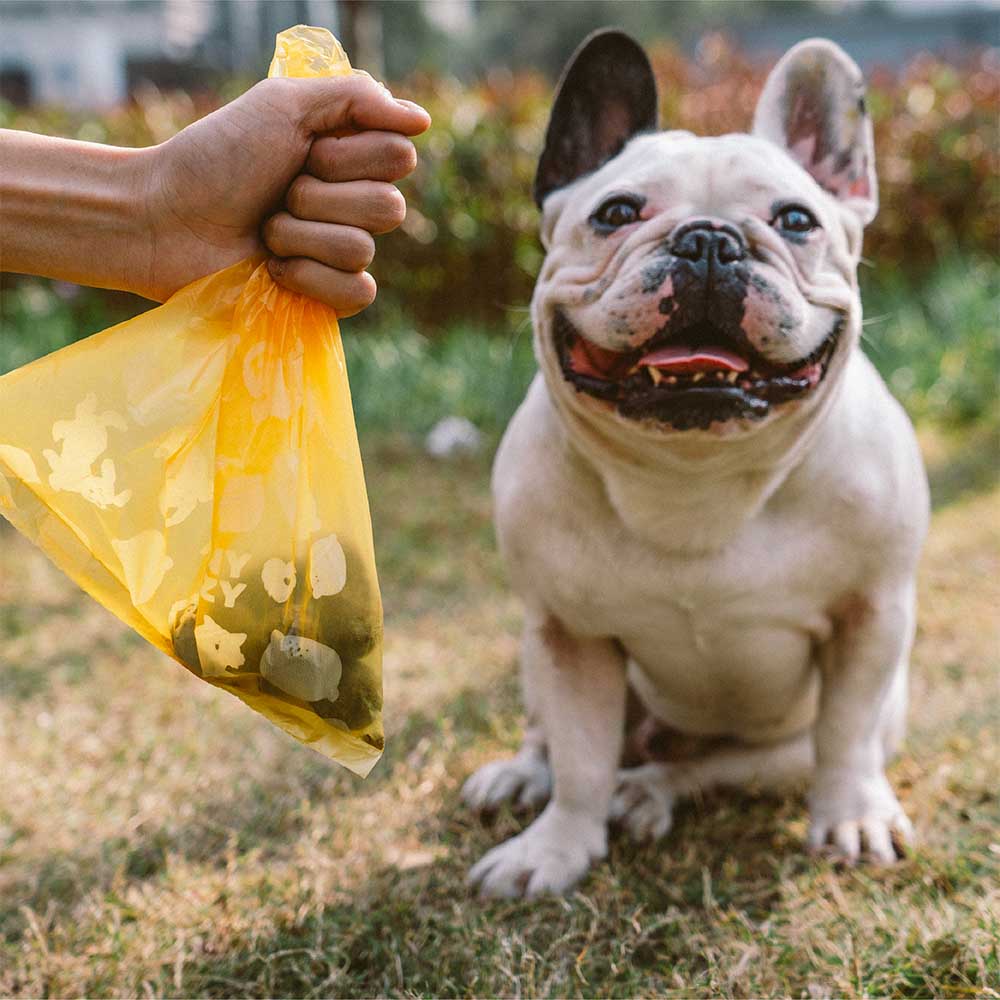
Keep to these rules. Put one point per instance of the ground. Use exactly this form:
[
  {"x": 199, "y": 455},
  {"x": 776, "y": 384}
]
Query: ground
[{"x": 158, "y": 838}]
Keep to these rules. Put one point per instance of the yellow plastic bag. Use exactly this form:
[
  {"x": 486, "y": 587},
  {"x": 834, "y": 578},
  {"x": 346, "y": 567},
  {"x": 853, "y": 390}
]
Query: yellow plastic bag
[{"x": 197, "y": 471}]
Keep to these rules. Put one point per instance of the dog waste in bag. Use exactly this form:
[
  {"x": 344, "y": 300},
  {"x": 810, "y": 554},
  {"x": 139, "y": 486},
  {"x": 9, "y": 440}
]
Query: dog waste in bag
[{"x": 197, "y": 471}]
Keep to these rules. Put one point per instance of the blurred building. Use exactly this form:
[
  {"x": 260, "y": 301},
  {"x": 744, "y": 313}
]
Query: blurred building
[
  {"x": 90, "y": 53},
  {"x": 93, "y": 53},
  {"x": 886, "y": 33}
]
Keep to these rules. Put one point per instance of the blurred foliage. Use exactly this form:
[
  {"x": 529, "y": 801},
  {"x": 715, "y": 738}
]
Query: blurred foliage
[
  {"x": 548, "y": 45},
  {"x": 935, "y": 343},
  {"x": 935, "y": 132},
  {"x": 469, "y": 249},
  {"x": 468, "y": 252},
  {"x": 404, "y": 382},
  {"x": 550, "y": 40}
]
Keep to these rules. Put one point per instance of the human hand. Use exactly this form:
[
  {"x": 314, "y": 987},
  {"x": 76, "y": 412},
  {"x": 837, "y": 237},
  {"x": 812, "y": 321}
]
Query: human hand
[{"x": 303, "y": 169}]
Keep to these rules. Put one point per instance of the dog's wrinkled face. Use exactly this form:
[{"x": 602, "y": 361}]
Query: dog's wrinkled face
[
  {"x": 701, "y": 283},
  {"x": 694, "y": 296}
]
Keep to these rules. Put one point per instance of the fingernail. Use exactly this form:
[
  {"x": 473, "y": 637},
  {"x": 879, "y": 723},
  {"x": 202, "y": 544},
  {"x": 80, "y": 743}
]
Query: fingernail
[{"x": 276, "y": 267}]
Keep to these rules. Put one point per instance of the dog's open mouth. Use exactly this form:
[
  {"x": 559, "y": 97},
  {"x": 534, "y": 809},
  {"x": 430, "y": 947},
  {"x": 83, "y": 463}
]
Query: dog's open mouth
[{"x": 689, "y": 378}]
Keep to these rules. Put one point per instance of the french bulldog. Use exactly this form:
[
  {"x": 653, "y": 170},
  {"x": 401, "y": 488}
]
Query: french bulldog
[{"x": 709, "y": 502}]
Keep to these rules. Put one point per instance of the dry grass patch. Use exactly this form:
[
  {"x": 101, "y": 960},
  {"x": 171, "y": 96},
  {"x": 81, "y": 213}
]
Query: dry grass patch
[{"x": 156, "y": 838}]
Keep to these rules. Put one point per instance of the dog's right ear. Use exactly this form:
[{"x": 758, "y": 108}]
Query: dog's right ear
[{"x": 606, "y": 95}]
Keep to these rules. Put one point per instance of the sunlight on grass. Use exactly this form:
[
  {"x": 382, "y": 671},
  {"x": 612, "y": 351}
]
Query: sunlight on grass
[{"x": 157, "y": 838}]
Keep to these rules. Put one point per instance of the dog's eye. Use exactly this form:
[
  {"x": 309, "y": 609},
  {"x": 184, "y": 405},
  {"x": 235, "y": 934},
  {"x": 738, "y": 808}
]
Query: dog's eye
[
  {"x": 621, "y": 210},
  {"x": 795, "y": 219}
]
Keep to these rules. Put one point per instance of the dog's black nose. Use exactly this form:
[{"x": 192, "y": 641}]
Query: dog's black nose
[{"x": 703, "y": 240}]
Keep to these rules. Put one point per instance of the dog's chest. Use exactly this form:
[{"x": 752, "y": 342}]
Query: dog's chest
[
  {"x": 773, "y": 575},
  {"x": 723, "y": 641}
]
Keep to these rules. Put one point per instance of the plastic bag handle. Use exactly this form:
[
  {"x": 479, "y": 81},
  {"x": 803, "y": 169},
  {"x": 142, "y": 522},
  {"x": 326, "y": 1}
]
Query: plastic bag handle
[{"x": 307, "y": 51}]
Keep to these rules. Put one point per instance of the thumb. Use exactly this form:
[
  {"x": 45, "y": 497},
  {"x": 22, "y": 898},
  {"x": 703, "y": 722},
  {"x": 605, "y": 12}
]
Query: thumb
[{"x": 357, "y": 103}]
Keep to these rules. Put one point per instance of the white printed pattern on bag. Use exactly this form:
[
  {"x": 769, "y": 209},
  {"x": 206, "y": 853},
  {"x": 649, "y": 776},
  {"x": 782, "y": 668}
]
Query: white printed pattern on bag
[{"x": 84, "y": 439}]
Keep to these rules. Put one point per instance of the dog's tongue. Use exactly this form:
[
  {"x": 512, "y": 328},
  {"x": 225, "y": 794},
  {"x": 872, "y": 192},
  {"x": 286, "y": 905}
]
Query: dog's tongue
[{"x": 680, "y": 358}]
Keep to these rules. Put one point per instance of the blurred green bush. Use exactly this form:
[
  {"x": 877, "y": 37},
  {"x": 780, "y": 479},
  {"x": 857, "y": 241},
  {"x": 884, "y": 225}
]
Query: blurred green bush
[
  {"x": 468, "y": 249},
  {"x": 935, "y": 343},
  {"x": 935, "y": 132}
]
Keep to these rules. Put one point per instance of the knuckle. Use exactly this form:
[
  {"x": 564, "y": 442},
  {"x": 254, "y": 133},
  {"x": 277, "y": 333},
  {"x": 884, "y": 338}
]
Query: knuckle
[
  {"x": 279, "y": 93},
  {"x": 322, "y": 156},
  {"x": 280, "y": 87},
  {"x": 297, "y": 197},
  {"x": 359, "y": 90},
  {"x": 393, "y": 206},
  {"x": 275, "y": 85},
  {"x": 408, "y": 158},
  {"x": 290, "y": 272},
  {"x": 271, "y": 87},
  {"x": 361, "y": 250},
  {"x": 362, "y": 291},
  {"x": 357, "y": 84},
  {"x": 274, "y": 233},
  {"x": 400, "y": 157}
]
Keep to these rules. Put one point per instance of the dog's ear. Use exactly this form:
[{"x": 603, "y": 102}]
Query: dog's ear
[
  {"x": 813, "y": 106},
  {"x": 606, "y": 95}
]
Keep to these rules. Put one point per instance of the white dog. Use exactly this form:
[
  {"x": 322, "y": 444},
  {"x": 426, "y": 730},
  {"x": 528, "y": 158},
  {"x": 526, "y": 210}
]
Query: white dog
[{"x": 708, "y": 499}]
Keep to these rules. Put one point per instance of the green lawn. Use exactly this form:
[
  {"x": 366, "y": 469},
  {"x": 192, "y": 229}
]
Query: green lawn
[{"x": 157, "y": 838}]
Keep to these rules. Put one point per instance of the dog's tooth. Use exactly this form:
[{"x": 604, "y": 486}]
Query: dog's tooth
[
  {"x": 719, "y": 376},
  {"x": 732, "y": 377},
  {"x": 697, "y": 377},
  {"x": 655, "y": 374},
  {"x": 671, "y": 380}
]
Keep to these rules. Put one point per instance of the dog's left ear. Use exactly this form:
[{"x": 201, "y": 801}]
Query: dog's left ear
[
  {"x": 813, "y": 106},
  {"x": 607, "y": 94}
]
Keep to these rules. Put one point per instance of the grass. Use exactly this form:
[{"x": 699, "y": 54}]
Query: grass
[{"x": 158, "y": 839}]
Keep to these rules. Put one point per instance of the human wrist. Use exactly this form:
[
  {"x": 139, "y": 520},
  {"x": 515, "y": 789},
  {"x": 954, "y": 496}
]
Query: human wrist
[{"x": 74, "y": 211}]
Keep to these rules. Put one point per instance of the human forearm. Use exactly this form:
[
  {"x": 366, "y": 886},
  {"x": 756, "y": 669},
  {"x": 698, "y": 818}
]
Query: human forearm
[
  {"x": 247, "y": 179},
  {"x": 73, "y": 210}
]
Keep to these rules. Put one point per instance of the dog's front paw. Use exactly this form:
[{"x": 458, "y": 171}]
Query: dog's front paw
[
  {"x": 854, "y": 817},
  {"x": 525, "y": 779},
  {"x": 644, "y": 801},
  {"x": 551, "y": 856}
]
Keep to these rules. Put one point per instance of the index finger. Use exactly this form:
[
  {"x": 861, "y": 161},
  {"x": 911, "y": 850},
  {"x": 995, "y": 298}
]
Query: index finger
[{"x": 356, "y": 103}]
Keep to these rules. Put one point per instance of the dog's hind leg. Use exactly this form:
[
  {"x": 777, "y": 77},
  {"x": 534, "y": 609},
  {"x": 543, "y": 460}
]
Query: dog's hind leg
[
  {"x": 646, "y": 793},
  {"x": 644, "y": 800},
  {"x": 524, "y": 779}
]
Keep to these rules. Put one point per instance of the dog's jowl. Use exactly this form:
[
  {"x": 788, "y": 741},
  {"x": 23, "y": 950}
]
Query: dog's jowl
[{"x": 709, "y": 502}]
